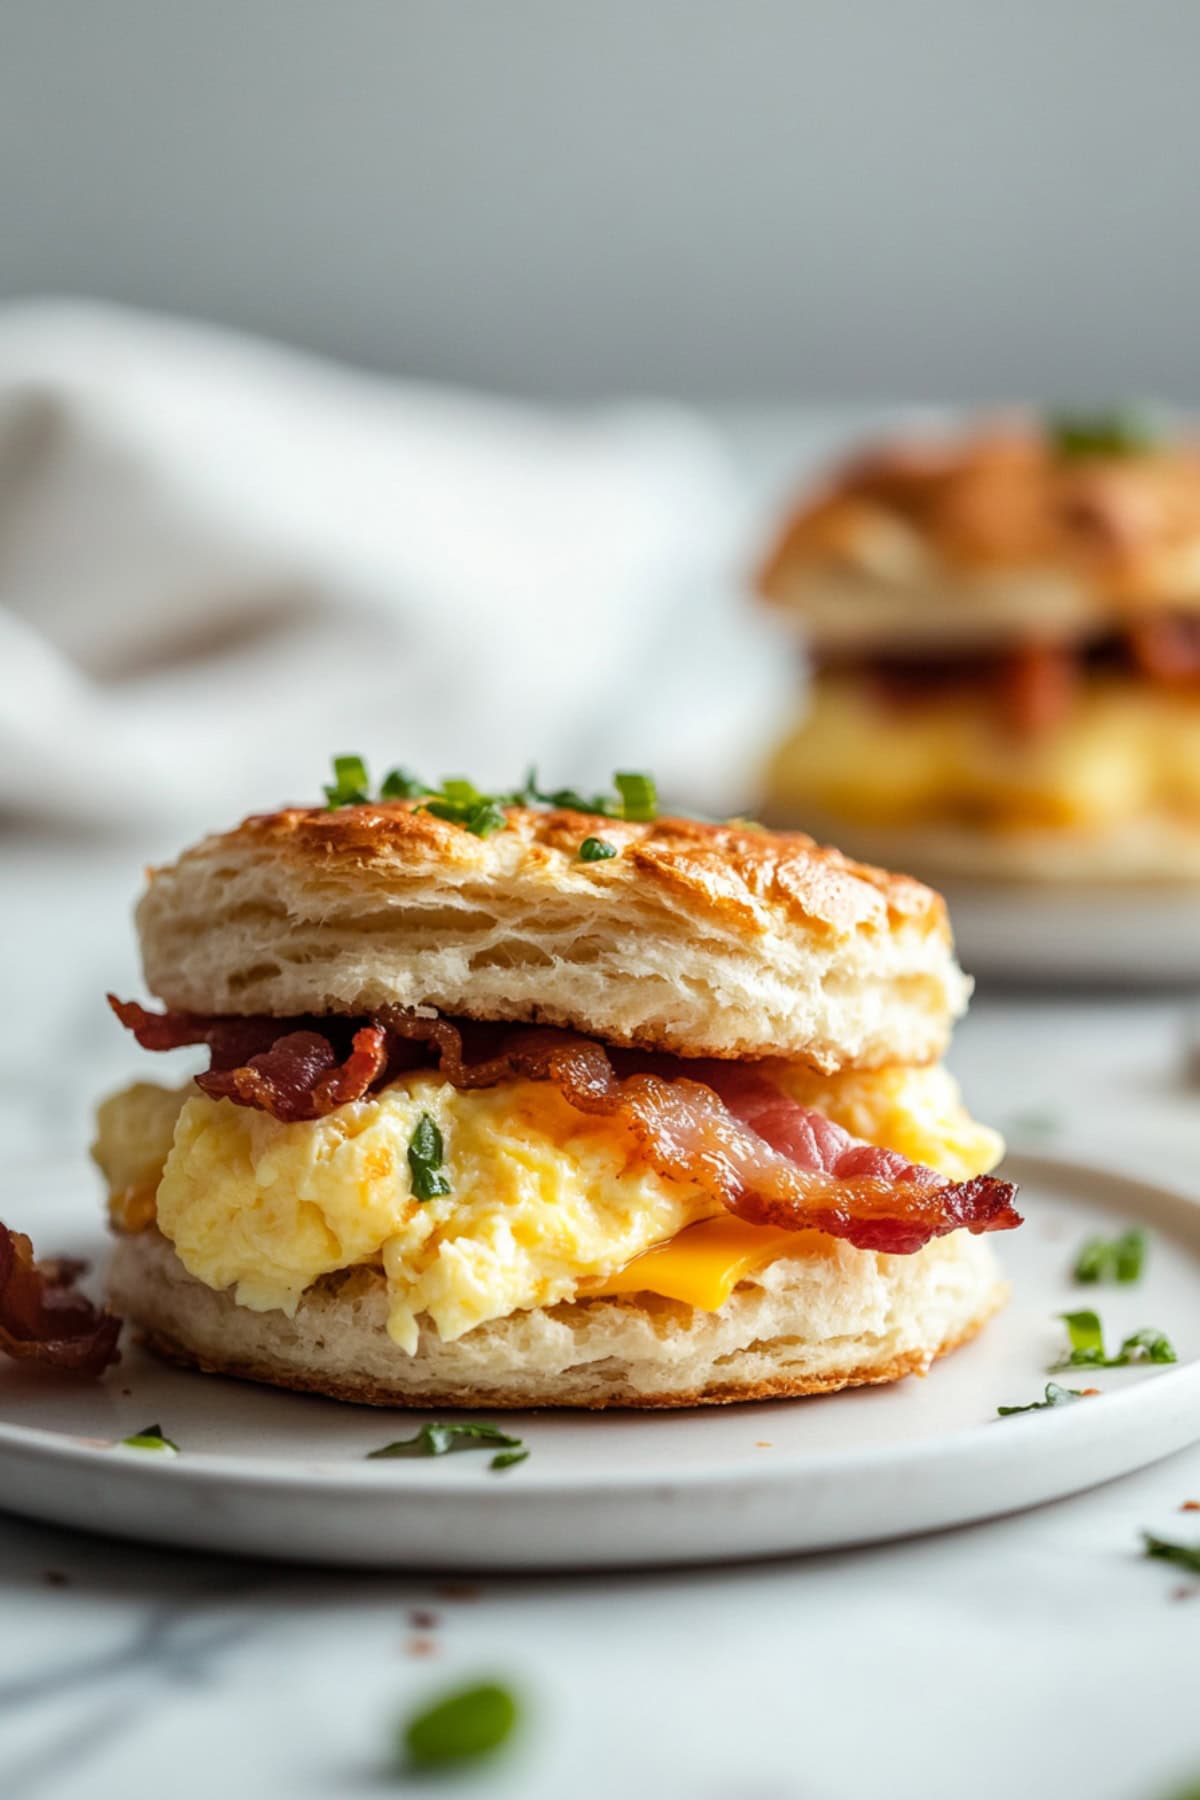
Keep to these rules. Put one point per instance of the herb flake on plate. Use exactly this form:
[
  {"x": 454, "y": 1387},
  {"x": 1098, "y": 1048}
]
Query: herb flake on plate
[
  {"x": 1148, "y": 1345},
  {"x": 441, "y": 1439},
  {"x": 1055, "y": 1396},
  {"x": 150, "y": 1438},
  {"x": 1119, "y": 1259}
]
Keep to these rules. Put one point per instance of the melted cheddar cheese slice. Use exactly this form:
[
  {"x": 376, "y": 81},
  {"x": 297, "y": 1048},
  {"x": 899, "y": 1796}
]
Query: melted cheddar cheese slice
[{"x": 704, "y": 1263}]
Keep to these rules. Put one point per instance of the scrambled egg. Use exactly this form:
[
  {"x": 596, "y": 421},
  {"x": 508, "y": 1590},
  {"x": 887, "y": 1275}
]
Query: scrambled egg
[
  {"x": 543, "y": 1201},
  {"x": 1126, "y": 750}
]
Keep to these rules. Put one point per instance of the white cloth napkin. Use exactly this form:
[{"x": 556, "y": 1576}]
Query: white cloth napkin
[{"x": 221, "y": 561}]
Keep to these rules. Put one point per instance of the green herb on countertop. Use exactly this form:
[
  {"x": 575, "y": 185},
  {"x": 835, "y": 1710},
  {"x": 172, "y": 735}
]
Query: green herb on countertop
[
  {"x": 461, "y": 1726},
  {"x": 1119, "y": 1259},
  {"x": 1087, "y": 1345},
  {"x": 508, "y": 1459},
  {"x": 1184, "y": 1556}
]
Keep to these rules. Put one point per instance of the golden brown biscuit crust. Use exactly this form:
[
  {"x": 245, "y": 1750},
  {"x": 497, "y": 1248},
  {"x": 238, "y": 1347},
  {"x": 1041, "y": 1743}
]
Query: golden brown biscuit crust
[
  {"x": 1080, "y": 540},
  {"x": 734, "y": 872},
  {"x": 704, "y": 939}
]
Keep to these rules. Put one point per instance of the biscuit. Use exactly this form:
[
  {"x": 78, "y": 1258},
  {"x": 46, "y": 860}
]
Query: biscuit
[
  {"x": 803, "y": 1325},
  {"x": 989, "y": 538},
  {"x": 701, "y": 939}
]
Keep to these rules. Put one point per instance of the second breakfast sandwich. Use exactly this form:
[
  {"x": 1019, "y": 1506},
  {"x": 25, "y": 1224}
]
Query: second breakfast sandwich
[{"x": 543, "y": 1100}]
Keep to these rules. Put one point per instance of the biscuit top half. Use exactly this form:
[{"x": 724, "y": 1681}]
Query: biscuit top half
[
  {"x": 702, "y": 939},
  {"x": 1011, "y": 532}
]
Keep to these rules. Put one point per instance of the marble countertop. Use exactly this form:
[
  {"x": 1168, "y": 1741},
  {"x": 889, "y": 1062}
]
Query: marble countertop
[{"x": 1037, "y": 1656}]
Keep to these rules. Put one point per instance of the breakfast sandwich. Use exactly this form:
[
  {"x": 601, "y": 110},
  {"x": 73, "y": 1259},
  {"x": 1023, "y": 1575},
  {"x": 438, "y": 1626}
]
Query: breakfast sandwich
[
  {"x": 1005, "y": 637},
  {"x": 546, "y": 1100}
]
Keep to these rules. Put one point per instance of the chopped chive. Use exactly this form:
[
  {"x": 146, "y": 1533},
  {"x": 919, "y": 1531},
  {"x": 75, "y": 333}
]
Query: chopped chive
[
  {"x": 402, "y": 784},
  {"x": 639, "y": 797},
  {"x": 426, "y": 1154},
  {"x": 1087, "y": 1345},
  {"x": 508, "y": 1459},
  {"x": 596, "y": 849},
  {"x": 350, "y": 785},
  {"x": 151, "y": 1438},
  {"x": 441, "y": 1438},
  {"x": 460, "y": 1727},
  {"x": 1118, "y": 1259},
  {"x": 1079, "y": 437},
  {"x": 1055, "y": 1396},
  {"x": 1184, "y": 1556}
]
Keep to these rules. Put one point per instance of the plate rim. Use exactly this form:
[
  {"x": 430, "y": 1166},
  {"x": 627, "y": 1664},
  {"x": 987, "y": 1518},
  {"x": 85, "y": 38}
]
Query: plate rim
[{"x": 358, "y": 1477}]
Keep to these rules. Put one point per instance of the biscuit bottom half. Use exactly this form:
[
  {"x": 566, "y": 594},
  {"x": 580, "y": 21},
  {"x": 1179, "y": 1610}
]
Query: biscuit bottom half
[
  {"x": 801, "y": 1325},
  {"x": 552, "y": 1266}
]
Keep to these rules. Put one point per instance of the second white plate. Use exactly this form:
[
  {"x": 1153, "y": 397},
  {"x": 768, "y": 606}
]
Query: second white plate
[
  {"x": 282, "y": 1475},
  {"x": 1123, "y": 936}
]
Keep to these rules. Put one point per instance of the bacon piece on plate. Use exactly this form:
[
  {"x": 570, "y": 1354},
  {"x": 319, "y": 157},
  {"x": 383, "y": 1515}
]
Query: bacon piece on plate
[{"x": 43, "y": 1319}]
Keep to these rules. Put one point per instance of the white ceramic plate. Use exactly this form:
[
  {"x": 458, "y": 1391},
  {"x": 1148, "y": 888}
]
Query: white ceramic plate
[
  {"x": 283, "y": 1475},
  {"x": 1128, "y": 936}
]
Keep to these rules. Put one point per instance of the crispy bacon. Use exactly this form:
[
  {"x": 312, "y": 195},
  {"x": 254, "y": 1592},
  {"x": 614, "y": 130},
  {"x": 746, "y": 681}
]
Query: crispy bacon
[
  {"x": 768, "y": 1159},
  {"x": 292, "y": 1069},
  {"x": 42, "y": 1317},
  {"x": 1166, "y": 647},
  {"x": 724, "y": 1126}
]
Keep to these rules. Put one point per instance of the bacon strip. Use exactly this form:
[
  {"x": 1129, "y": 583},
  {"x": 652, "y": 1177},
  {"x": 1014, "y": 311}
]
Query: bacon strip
[
  {"x": 289, "y": 1068},
  {"x": 723, "y": 1126},
  {"x": 769, "y": 1160},
  {"x": 43, "y": 1319}
]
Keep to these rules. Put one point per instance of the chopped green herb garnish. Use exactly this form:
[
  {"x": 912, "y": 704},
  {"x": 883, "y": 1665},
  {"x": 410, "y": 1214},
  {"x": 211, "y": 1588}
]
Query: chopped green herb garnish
[
  {"x": 508, "y": 1459},
  {"x": 460, "y": 802},
  {"x": 459, "y": 1727},
  {"x": 151, "y": 1438},
  {"x": 1184, "y": 1556},
  {"x": 1087, "y": 1345},
  {"x": 350, "y": 786},
  {"x": 1080, "y": 436},
  {"x": 1112, "y": 1259},
  {"x": 480, "y": 816},
  {"x": 1055, "y": 1396},
  {"x": 441, "y": 1439},
  {"x": 402, "y": 784},
  {"x": 639, "y": 797},
  {"x": 594, "y": 849},
  {"x": 636, "y": 798},
  {"x": 426, "y": 1154}
]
